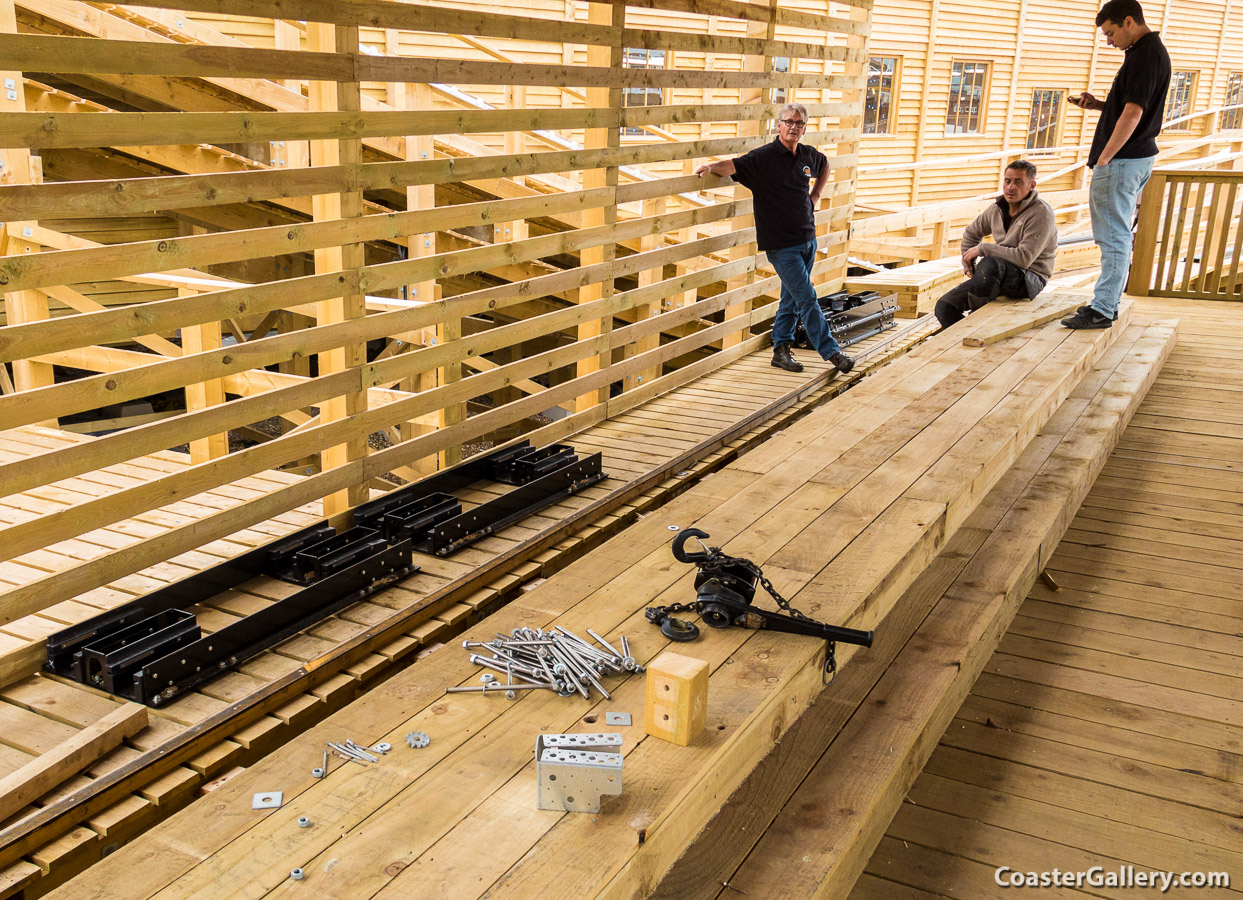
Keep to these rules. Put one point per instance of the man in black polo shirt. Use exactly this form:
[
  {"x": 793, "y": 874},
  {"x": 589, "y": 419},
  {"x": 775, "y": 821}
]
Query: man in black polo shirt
[
  {"x": 777, "y": 175},
  {"x": 1123, "y": 150}
]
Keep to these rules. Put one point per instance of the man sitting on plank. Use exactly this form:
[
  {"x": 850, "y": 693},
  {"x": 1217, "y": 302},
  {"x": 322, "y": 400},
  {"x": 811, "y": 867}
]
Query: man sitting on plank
[{"x": 1019, "y": 261}]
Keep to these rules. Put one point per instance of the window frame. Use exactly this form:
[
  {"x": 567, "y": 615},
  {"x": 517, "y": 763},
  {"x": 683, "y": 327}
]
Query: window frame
[
  {"x": 645, "y": 91},
  {"x": 1233, "y": 116},
  {"x": 1191, "y": 99},
  {"x": 891, "y": 123},
  {"x": 1057, "y": 120},
  {"x": 982, "y": 117}
]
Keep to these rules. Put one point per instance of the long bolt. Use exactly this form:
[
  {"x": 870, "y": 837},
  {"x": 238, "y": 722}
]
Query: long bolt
[
  {"x": 603, "y": 643},
  {"x": 361, "y": 752},
  {"x": 625, "y": 642},
  {"x": 498, "y": 666},
  {"x": 347, "y": 753},
  {"x": 499, "y": 689},
  {"x": 583, "y": 670},
  {"x": 571, "y": 671}
]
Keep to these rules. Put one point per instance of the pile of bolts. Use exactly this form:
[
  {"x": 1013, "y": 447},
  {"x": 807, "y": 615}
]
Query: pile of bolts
[{"x": 558, "y": 660}]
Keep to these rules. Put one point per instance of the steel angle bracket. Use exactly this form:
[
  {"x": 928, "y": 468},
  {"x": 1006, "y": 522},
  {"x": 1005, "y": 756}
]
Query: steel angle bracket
[{"x": 576, "y": 770}]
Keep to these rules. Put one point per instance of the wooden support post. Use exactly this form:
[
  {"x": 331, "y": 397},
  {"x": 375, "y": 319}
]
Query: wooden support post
[
  {"x": 652, "y": 207},
  {"x": 853, "y": 126},
  {"x": 940, "y": 239},
  {"x": 450, "y": 329},
  {"x": 326, "y": 96},
  {"x": 1143, "y": 257},
  {"x": 419, "y": 245},
  {"x": 609, "y": 138},
  {"x": 1013, "y": 94},
  {"x": 1081, "y": 174},
  {"x": 289, "y": 154},
  {"x": 201, "y": 395},
  {"x": 17, "y": 166},
  {"x": 752, "y": 127},
  {"x": 925, "y": 106}
]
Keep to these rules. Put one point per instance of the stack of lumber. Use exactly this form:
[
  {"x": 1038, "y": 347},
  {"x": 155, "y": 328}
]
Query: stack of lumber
[
  {"x": 845, "y": 510},
  {"x": 916, "y": 287},
  {"x": 885, "y": 716}
]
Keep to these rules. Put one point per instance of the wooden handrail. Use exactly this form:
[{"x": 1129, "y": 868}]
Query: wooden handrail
[{"x": 1187, "y": 240}]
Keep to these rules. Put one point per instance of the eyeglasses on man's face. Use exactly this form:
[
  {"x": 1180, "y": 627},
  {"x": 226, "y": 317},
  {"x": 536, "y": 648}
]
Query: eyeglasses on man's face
[{"x": 793, "y": 123}]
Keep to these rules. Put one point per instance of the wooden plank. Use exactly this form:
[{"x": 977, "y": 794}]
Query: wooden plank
[
  {"x": 86, "y": 56},
  {"x": 54, "y": 766},
  {"x": 1056, "y": 308}
]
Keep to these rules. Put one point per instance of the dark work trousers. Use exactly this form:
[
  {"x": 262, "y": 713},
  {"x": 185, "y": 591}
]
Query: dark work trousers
[{"x": 993, "y": 278}]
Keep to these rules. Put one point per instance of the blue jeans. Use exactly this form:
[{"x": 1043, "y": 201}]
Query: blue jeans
[
  {"x": 1112, "y": 197},
  {"x": 798, "y": 300}
]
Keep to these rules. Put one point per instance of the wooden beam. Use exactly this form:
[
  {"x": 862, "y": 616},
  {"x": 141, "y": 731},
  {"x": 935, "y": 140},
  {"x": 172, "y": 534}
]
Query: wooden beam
[
  {"x": 42, "y": 774},
  {"x": 18, "y": 167},
  {"x": 607, "y": 138}
]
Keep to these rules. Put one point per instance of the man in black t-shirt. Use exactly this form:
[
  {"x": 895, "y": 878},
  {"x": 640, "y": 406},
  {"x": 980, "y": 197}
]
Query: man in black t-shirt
[
  {"x": 1123, "y": 150},
  {"x": 777, "y": 175}
]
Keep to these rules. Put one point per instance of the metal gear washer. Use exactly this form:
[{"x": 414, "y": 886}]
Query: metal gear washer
[{"x": 418, "y": 739}]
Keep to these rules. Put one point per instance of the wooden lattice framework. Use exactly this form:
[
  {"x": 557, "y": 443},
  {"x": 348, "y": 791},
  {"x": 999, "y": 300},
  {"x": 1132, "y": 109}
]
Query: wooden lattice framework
[{"x": 317, "y": 227}]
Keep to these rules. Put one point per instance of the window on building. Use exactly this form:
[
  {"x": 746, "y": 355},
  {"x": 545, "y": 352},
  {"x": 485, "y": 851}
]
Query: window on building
[
  {"x": 1046, "y": 114},
  {"x": 636, "y": 58},
  {"x": 1233, "y": 118},
  {"x": 781, "y": 64},
  {"x": 968, "y": 83},
  {"x": 879, "y": 102},
  {"x": 1180, "y": 99}
]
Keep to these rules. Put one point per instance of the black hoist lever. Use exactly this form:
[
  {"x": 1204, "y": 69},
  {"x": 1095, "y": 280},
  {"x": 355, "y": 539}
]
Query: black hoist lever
[{"x": 725, "y": 589}]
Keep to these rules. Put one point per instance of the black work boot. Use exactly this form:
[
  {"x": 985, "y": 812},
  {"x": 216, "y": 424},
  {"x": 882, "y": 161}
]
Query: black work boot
[
  {"x": 784, "y": 359},
  {"x": 842, "y": 362}
]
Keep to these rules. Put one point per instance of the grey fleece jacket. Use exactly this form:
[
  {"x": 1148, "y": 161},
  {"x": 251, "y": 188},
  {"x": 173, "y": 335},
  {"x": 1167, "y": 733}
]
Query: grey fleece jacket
[{"x": 1031, "y": 242}]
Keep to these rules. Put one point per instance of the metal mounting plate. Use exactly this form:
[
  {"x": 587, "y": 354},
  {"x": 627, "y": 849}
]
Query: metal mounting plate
[
  {"x": 577, "y": 770},
  {"x": 617, "y": 718},
  {"x": 267, "y": 800}
]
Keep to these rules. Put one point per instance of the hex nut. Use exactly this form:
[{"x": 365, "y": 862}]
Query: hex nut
[
  {"x": 304, "y": 821},
  {"x": 297, "y": 874},
  {"x": 318, "y": 772},
  {"x": 510, "y": 695},
  {"x": 487, "y": 678}
]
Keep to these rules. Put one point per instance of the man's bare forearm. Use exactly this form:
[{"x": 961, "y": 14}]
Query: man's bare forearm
[
  {"x": 724, "y": 168},
  {"x": 817, "y": 189}
]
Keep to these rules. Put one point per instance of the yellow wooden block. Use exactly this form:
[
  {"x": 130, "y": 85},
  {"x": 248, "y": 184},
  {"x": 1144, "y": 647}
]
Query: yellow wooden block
[{"x": 677, "y": 698}]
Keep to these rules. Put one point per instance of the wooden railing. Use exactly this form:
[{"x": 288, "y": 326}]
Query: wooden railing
[
  {"x": 400, "y": 282},
  {"x": 885, "y": 235},
  {"x": 1188, "y": 240}
]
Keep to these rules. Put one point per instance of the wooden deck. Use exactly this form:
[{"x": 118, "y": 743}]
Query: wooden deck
[
  {"x": 1107, "y": 729},
  {"x": 699, "y": 428},
  {"x": 896, "y": 457}
]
